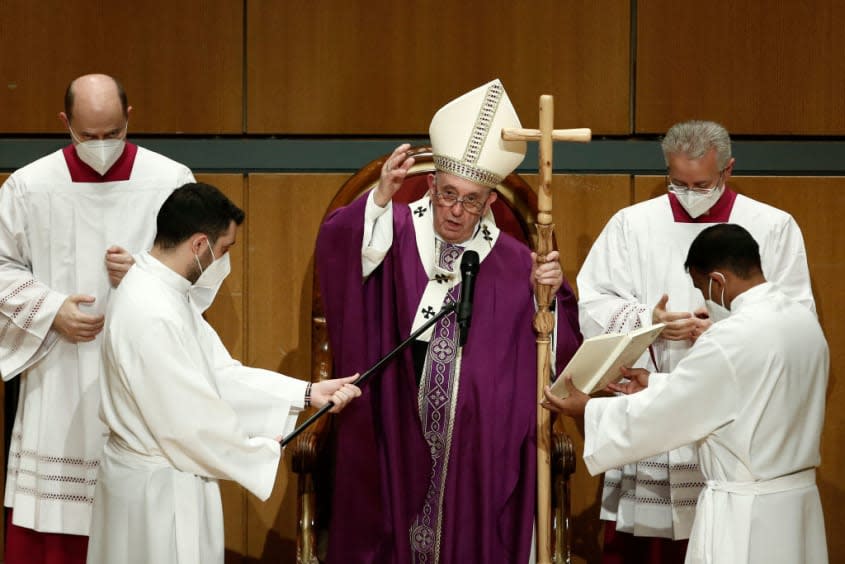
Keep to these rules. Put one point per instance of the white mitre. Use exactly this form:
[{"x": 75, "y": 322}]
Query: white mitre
[{"x": 466, "y": 136}]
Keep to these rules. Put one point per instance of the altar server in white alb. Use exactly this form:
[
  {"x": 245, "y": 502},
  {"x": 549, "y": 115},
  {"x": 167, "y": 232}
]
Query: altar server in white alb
[
  {"x": 750, "y": 393},
  {"x": 634, "y": 277},
  {"x": 68, "y": 225},
  {"x": 182, "y": 413}
]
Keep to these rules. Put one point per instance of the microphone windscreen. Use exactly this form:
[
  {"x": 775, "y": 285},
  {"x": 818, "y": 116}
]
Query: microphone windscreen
[{"x": 469, "y": 263}]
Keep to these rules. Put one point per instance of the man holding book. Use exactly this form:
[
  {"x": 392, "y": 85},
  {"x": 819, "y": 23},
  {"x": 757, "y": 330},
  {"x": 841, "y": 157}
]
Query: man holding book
[
  {"x": 633, "y": 277},
  {"x": 750, "y": 394}
]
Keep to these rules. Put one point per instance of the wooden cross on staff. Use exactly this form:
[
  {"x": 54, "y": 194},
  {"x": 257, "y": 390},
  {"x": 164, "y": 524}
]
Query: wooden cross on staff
[{"x": 544, "y": 319}]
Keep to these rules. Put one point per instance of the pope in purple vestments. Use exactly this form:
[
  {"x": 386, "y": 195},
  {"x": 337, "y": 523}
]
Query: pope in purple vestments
[{"x": 437, "y": 461}]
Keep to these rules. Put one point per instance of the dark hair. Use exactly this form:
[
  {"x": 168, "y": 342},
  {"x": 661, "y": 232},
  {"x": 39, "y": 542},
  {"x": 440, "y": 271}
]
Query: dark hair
[
  {"x": 195, "y": 208},
  {"x": 725, "y": 246},
  {"x": 69, "y": 97}
]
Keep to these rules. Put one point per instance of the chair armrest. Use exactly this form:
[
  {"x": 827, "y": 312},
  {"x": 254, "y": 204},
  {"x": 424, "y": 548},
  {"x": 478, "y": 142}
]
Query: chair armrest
[
  {"x": 305, "y": 455},
  {"x": 563, "y": 466},
  {"x": 563, "y": 454},
  {"x": 306, "y": 449}
]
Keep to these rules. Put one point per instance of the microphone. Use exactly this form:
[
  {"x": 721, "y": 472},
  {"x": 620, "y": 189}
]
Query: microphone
[{"x": 469, "y": 269}]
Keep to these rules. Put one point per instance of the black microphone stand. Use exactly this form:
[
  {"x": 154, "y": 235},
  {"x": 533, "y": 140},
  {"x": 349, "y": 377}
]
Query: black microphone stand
[{"x": 445, "y": 310}]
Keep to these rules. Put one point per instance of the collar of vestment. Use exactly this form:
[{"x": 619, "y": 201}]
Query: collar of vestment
[
  {"x": 121, "y": 170},
  {"x": 163, "y": 272},
  {"x": 441, "y": 280},
  {"x": 755, "y": 293},
  {"x": 719, "y": 213}
]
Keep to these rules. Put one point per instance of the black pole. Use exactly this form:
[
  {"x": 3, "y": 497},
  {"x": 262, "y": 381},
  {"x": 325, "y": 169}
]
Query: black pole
[{"x": 445, "y": 310}]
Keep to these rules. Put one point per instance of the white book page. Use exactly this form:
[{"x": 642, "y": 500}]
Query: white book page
[{"x": 598, "y": 360}]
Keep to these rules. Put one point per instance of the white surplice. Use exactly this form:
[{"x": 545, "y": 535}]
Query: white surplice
[
  {"x": 637, "y": 258},
  {"x": 53, "y": 239},
  {"x": 751, "y": 394},
  {"x": 182, "y": 414}
]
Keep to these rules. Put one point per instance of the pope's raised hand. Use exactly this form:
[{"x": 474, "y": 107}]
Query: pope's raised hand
[{"x": 393, "y": 173}]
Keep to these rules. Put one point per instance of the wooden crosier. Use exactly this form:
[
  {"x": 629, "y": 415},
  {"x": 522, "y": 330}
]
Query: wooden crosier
[{"x": 544, "y": 319}]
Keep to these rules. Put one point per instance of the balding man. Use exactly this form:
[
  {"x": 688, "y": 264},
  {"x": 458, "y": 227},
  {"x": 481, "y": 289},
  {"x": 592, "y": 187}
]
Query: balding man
[{"x": 69, "y": 224}]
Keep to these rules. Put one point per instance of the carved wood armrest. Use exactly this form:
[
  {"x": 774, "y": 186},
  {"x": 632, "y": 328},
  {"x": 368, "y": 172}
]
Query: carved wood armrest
[
  {"x": 306, "y": 452},
  {"x": 563, "y": 454},
  {"x": 306, "y": 449},
  {"x": 563, "y": 466}
]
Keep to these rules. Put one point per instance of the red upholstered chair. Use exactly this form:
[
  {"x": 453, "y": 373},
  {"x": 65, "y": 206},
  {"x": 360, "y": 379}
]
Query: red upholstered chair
[{"x": 515, "y": 211}]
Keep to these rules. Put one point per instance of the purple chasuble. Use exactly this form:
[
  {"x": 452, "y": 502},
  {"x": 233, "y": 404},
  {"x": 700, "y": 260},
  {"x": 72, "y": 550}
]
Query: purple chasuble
[{"x": 384, "y": 465}]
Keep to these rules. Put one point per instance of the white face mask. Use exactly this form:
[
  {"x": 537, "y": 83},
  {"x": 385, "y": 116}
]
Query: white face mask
[
  {"x": 99, "y": 154},
  {"x": 697, "y": 203},
  {"x": 717, "y": 312},
  {"x": 204, "y": 290}
]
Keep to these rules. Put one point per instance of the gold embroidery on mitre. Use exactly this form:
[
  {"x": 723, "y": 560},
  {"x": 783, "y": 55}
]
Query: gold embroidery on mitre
[{"x": 466, "y": 167}]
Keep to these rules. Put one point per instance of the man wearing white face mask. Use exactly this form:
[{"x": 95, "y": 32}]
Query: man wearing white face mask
[
  {"x": 210, "y": 279},
  {"x": 634, "y": 277},
  {"x": 716, "y": 311},
  {"x": 68, "y": 225},
  {"x": 181, "y": 412},
  {"x": 750, "y": 395}
]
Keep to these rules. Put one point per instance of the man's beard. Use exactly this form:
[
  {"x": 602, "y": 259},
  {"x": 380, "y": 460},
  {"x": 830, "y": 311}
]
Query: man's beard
[{"x": 195, "y": 272}]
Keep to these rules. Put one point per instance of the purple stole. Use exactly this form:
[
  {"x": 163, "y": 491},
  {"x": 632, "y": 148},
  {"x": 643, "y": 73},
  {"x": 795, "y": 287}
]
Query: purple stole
[{"x": 437, "y": 399}]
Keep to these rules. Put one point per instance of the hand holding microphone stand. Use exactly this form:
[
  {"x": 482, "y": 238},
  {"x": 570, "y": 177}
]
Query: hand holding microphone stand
[{"x": 469, "y": 269}]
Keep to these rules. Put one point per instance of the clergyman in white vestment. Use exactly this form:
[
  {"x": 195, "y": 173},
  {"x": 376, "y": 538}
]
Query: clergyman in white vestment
[
  {"x": 750, "y": 395},
  {"x": 636, "y": 260},
  {"x": 68, "y": 223},
  {"x": 181, "y": 412}
]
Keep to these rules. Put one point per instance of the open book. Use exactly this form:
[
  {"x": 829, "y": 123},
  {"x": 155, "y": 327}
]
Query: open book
[{"x": 597, "y": 361}]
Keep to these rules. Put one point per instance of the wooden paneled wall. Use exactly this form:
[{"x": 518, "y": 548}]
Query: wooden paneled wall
[
  {"x": 773, "y": 67},
  {"x": 384, "y": 67},
  {"x": 313, "y": 68},
  {"x": 339, "y": 67},
  {"x": 317, "y": 68},
  {"x": 377, "y": 67},
  {"x": 180, "y": 62}
]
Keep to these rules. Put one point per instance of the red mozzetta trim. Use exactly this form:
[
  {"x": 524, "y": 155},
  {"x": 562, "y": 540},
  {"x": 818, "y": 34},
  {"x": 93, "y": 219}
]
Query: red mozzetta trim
[
  {"x": 719, "y": 213},
  {"x": 120, "y": 170}
]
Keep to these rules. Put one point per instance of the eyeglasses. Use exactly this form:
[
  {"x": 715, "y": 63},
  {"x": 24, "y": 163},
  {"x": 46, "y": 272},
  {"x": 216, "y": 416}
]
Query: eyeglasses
[
  {"x": 471, "y": 204},
  {"x": 681, "y": 189}
]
